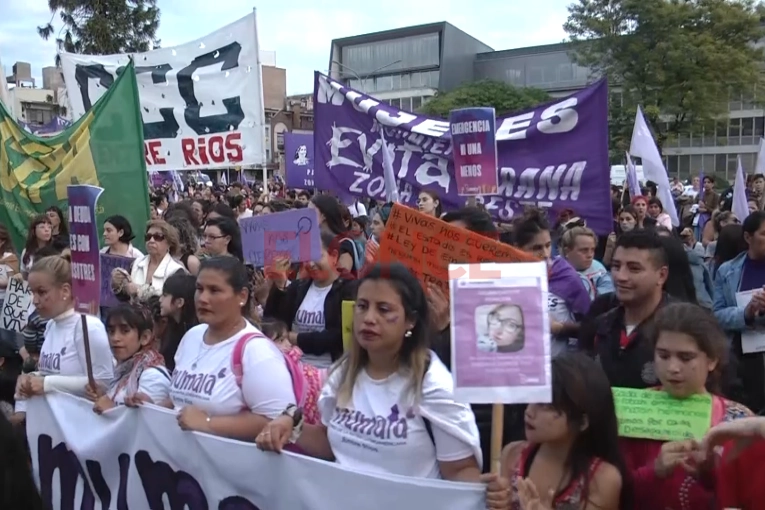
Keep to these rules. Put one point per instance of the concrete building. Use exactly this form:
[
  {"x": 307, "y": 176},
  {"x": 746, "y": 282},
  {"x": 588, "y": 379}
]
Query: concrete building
[{"x": 406, "y": 66}]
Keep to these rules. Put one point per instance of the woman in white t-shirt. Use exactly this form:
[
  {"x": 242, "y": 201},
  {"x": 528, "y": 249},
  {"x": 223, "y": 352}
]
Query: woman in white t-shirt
[
  {"x": 118, "y": 234},
  {"x": 312, "y": 306},
  {"x": 140, "y": 374},
  {"x": 62, "y": 364},
  {"x": 204, "y": 386},
  {"x": 388, "y": 405}
]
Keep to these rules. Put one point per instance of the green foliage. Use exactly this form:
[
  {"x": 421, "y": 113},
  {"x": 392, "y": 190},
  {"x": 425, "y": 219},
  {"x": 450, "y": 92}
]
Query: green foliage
[
  {"x": 103, "y": 27},
  {"x": 681, "y": 60},
  {"x": 503, "y": 97}
]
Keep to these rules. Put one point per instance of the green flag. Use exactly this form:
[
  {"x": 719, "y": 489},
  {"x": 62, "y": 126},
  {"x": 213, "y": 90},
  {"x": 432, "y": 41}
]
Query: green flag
[{"x": 104, "y": 148}]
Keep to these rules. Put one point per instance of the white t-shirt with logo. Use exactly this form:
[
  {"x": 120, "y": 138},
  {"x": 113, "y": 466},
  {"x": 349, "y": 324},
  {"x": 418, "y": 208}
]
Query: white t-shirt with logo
[
  {"x": 381, "y": 430},
  {"x": 310, "y": 318},
  {"x": 559, "y": 312},
  {"x": 154, "y": 382},
  {"x": 203, "y": 375}
]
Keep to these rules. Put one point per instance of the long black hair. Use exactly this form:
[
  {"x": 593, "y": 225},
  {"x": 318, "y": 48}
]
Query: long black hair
[
  {"x": 332, "y": 211},
  {"x": 229, "y": 228},
  {"x": 582, "y": 392},
  {"x": 679, "y": 282},
  {"x": 178, "y": 285},
  {"x": 18, "y": 488}
]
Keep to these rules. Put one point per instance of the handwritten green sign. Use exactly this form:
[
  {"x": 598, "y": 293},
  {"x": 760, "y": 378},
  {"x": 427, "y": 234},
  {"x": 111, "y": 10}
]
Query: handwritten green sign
[{"x": 651, "y": 414}]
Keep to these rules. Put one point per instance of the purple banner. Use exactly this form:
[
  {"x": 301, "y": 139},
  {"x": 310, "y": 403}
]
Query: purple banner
[
  {"x": 547, "y": 156},
  {"x": 108, "y": 264},
  {"x": 475, "y": 151},
  {"x": 298, "y": 156},
  {"x": 51, "y": 128},
  {"x": 294, "y": 234},
  {"x": 83, "y": 242}
]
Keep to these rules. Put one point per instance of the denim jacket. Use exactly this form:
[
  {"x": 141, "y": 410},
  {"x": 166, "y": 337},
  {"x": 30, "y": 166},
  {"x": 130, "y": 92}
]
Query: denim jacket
[{"x": 727, "y": 282}]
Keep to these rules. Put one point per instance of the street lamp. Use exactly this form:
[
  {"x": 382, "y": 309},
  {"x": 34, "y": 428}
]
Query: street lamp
[{"x": 358, "y": 77}]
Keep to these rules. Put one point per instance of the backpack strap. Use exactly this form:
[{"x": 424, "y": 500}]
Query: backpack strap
[
  {"x": 238, "y": 355},
  {"x": 356, "y": 255}
]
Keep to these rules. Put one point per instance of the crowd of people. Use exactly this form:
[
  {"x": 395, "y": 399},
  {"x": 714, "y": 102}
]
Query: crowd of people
[{"x": 648, "y": 306}]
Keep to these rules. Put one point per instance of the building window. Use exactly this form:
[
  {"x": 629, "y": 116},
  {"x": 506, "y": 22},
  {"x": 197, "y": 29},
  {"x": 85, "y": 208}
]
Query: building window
[
  {"x": 406, "y": 104},
  {"x": 280, "y": 140},
  {"x": 396, "y": 103},
  {"x": 405, "y": 81},
  {"x": 406, "y": 52},
  {"x": 383, "y": 84},
  {"x": 416, "y": 103}
]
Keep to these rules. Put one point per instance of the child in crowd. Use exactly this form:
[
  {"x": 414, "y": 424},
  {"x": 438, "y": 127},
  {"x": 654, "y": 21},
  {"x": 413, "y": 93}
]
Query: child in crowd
[{"x": 314, "y": 377}]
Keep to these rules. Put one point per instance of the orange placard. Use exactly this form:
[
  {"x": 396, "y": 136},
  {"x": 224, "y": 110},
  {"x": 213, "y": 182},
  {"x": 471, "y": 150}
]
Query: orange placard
[{"x": 427, "y": 245}]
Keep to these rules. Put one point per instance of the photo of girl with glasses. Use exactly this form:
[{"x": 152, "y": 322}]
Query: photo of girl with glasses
[{"x": 499, "y": 328}]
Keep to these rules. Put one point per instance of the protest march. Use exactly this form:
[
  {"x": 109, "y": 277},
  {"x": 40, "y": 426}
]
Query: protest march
[{"x": 459, "y": 313}]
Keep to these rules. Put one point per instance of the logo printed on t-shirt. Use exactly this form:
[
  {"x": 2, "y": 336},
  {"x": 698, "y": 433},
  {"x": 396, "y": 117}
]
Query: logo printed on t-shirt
[
  {"x": 308, "y": 318},
  {"x": 200, "y": 384},
  {"x": 381, "y": 429},
  {"x": 51, "y": 362}
]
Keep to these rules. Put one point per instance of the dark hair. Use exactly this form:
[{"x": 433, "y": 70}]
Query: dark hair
[
  {"x": 181, "y": 210},
  {"x": 136, "y": 317},
  {"x": 710, "y": 178},
  {"x": 273, "y": 328},
  {"x": 475, "y": 220},
  {"x": 757, "y": 177},
  {"x": 719, "y": 218},
  {"x": 656, "y": 201},
  {"x": 581, "y": 391},
  {"x": 277, "y": 205},
  {"x": 122, "y": 223},
  {"x": 753, "y": 222},
  {"x": 332, "y": 211},
  {"x": 31, "y": 245},
  {"x": 178, "y": 285},
  {"x": 647, "y": 240},
  {"x": 222, "y": 210},
  {"x": 10, "y": 371},
  {"x": 230, "y": 228},
  {"x": 236, "y": 274},
  {"x": 362, "y": 221},
  {"x": 235, "y": 201},
  {"x": 6, "y": 241},
  {"x": 730, "y": 243},
  {"x": 435, "y": 197},
  {"x": 525, "y": 228},
  {"x": 18, "y": 490},
  {"x": 187, "y": 233},
  {"x": 679, "y": 282},
  {"x": 304, "y": 193},
  {"x": 701, "y": 325},
  {"x": 157, "y": 199},
  {"x": 63, "y": 227}
]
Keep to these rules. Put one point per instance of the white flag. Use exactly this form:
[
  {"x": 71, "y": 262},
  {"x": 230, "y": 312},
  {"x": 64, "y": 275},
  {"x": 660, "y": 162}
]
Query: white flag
[
  {"x": 5, "y": 97},
  {"x": 391, "y": 189},
  {"x": 759, "y": 167},
  {"x": 644, "y": 147},
  {"x": 739, "y": 206}
]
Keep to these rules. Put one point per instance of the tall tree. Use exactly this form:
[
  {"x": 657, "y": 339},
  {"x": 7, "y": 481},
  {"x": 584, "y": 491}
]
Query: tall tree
[
  {"x": 503, "y": 97},
  {"x": 103, "y": 27},
  {"x": 682, "y": 60}
]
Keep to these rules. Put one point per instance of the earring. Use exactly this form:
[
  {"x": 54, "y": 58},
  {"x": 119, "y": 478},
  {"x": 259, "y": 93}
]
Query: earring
[
  {"x": 241, "y": 304},
  {"x": 408, "y": 334}
]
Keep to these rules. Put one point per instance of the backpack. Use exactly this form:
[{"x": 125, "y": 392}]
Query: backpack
[
  {"x": 359, "y": 252},
  {"x": 305, "y": 394}
]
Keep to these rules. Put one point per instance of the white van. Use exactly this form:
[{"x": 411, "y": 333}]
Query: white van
[{"x": 619, "y": 174}]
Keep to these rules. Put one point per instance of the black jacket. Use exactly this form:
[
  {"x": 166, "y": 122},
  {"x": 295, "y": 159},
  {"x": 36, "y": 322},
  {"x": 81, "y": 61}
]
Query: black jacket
[
  {"x": 629, "y": 366},
  {"x": 283, "y": 305}
]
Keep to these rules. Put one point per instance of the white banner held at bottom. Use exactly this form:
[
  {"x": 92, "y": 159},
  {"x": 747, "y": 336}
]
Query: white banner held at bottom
[{"x": 141, "y": 459}]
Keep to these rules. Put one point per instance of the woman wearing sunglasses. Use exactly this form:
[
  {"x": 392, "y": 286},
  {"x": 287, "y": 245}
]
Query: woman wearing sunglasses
[{"x": 149, "y": 272}]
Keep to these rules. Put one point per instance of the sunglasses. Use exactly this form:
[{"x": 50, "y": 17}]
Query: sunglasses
[{"x": 157, "y": 237}]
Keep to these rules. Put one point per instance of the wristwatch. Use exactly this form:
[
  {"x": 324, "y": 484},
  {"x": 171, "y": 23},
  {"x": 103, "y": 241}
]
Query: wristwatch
[{"x": 296, "y": 414}]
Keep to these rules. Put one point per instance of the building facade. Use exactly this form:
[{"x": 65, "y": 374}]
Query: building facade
[{"x": 407, "y": 66}]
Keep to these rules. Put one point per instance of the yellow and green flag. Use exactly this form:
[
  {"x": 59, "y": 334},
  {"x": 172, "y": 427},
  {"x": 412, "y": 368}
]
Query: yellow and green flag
[{"x": 104, "y": 148}]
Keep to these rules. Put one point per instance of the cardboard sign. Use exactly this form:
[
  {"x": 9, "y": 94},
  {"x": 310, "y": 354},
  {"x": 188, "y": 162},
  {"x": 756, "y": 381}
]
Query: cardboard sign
[
  {"x": 427, "y": 245},
  {"x": 347, "y": 318},
  {"x": 108, "y": 264},
  {"x": 651, "y": 414},
  {"x": 293, "y": 234},
  {"x": 17, "y": 306}
]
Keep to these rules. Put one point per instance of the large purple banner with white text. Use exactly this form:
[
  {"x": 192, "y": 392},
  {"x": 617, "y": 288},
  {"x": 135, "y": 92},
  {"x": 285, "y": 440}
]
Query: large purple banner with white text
[{"x": 547, "y": 156}]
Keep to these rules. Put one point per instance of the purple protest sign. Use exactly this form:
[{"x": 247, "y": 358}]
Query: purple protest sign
[
  {"x": 475, "y": 151},
  {"x": 547, "y": 156},
  {"x": 294, "y": 234},
  {"x": 108, "y": 264},
  {"x": 83, "y": 242},
  {"x": 298, "y": 155},
  {"x": 500, "y": 334}
]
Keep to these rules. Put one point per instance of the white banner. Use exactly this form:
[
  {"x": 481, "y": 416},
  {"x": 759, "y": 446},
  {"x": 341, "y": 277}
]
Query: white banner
[
  {"x": 201, "y": 102},
  {"x": 141, "y": 459}
]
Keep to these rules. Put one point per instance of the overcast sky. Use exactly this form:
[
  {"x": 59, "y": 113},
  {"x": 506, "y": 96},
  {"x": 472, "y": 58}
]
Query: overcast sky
[{"x": 300, "y": 31}]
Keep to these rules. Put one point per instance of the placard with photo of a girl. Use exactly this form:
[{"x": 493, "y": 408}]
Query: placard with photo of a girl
[{"x": 500, "y": 328}]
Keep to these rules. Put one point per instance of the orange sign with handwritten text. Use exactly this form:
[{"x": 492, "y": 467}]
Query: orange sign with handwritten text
[{"x": 427, "y": 246}]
